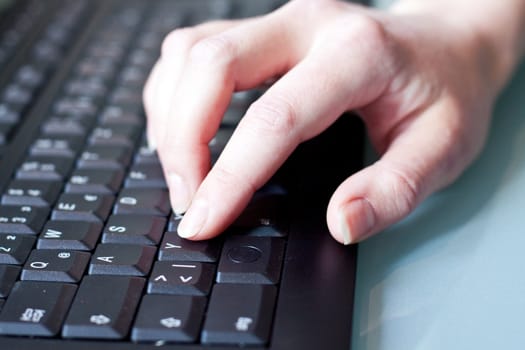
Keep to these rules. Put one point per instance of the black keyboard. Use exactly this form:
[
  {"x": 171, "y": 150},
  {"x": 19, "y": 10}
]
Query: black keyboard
[{"x": 89, "y": 254}]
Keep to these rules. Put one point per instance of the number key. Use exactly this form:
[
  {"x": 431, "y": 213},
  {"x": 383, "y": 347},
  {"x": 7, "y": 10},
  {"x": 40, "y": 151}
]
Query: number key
[
  {"x": 14, "y": 249},
  {"x": 32, "y": 193},
  {"x": 23, "y": 219}
]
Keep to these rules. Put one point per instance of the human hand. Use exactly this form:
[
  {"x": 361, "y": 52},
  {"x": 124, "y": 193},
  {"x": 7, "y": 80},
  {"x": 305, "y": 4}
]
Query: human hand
[{"x": 423, "y": 85}]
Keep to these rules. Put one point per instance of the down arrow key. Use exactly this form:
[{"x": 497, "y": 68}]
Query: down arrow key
[{"x": 185, "y": 279}]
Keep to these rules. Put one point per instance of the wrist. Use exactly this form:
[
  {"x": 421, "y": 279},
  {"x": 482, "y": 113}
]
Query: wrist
[{"x": 490, "y": 32}]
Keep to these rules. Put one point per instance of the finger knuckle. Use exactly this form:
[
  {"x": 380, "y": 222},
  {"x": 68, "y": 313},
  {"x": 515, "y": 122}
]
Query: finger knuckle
[
  {"x": 362, "y": 32},
  {"x": 276, "y": 117},
  {"x": 216, "y": 50},
  {"x": 313, "y": 7},
  {"x": 369, "y": 29},
  {"x": 405, "y": 186},
  {"x": 178, "y": 41},
  {"x": 229, "y": 179}
]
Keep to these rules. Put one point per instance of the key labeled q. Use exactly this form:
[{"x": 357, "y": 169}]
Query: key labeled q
[
  {"x": 39, "y": 265},
  {"x": 128, "y": 200}
]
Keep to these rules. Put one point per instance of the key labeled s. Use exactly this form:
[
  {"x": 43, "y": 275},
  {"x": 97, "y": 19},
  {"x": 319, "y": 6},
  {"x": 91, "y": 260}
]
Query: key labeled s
[{"x": 119, "y": 229}]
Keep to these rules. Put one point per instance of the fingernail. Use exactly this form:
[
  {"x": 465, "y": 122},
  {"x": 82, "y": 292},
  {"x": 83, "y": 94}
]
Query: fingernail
[
  {"x": 194, "y": 219},
  {"x": 179, "y": 193},
  {"x": 356, "y": 220}
]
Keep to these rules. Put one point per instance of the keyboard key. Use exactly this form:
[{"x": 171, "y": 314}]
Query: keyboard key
[
  {"x": 60, "y": 146},
  {"x": 36, "y": 308},
  {"x": 103, "y": 181},
  {"x": 63, "y": 126},
  {"x": 133, "y": 76},
  {"x": 251, "y": 260},
  {"x": 172, "y": 277},
  {"x": 17, "y": 94},
  {"x": 104, "y": 49},
  {"x": 74, "y": 235},
  {"x": 90, "y": 207},
  {"x": 14, "y": 249},
  {"x": 134, "y": 229},
  {"x": 263, "y": 216},
  {"x": 23, "y": 219},
  {"x": 175, "y": 248},
  {"x": 239, "y": 314},
  {"x": 122, "y": 134},
  {"x": 169, "y": 318},
  {"x": 122, "y": 259},
  {"x": 87, "y": 86},
  {"x": 44, "y": 168},
  {"x": 142, "y": 58},
  {"x": 105, "y": 157},
  {"x": 173, "y": 223},
  {"x": 103, "y": 307},
  {"x": 146, "y": 176},
  {"x": 113, "y": 115},
  {"x": 9, "y": 114},
  {"x": 55, "y": 266},
  {"x": 126, "y": 95},
  {"x": 46, "y": 51},
  {"x": 30, "y": 75},
  {"x": 143, "y": 201},
  {"x": 78, "y": 106},
  {"x": 89, "y": 67},
  {"x": 146, "y": 155},
  {"x": 32, "y": 192},
  {"x": 8, "y": 276}
]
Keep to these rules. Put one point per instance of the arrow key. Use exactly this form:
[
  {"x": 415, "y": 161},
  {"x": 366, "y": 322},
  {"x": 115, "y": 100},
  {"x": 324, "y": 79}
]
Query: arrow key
[{"x": 188, "y": 278}]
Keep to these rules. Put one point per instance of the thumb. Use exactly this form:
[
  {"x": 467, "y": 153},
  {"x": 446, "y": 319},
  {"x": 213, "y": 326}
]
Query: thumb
[{"x": 429, "y": 153}]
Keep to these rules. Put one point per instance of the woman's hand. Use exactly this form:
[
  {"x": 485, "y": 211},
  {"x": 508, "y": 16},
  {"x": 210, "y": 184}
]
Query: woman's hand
[{"x": 423, "y": 84}]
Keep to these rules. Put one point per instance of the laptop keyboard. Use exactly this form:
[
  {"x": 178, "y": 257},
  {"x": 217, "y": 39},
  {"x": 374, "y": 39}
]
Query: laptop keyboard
[
  {"x": 88, "y": 242},
  {"x": 48, "y": 46}
]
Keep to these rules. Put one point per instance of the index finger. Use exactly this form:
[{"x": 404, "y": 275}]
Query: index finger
[
  {"x": 300, "y": 105},
  {"x": 237, "y": 58}
]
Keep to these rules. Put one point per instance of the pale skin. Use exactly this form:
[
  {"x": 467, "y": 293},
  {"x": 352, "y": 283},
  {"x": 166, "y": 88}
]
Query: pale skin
[{"x": 423, "y": 76}]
